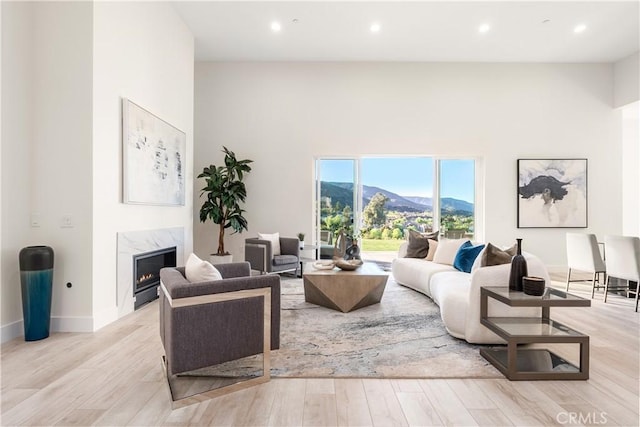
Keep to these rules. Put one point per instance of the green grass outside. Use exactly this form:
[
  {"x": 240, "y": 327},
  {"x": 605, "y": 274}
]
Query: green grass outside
[{"x": 380, "y": 245}]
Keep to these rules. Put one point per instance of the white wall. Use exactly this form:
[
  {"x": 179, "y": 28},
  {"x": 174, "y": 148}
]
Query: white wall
[
  {"x": 631, "y": 170},
  {"x": 61, "y": 151},
  {"x": 46, "y": 147},
  {"x": 17, "y": 68},
  {"x": 626, "y": 80},
  {"x": 65, "y": 67},
  {"x": 144, "y": 52},
  {"x": 282, "y": 115}
]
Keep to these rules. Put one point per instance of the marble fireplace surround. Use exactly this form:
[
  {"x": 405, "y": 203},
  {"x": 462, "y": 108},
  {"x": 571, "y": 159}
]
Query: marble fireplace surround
[{"x": 136, "y": 242}]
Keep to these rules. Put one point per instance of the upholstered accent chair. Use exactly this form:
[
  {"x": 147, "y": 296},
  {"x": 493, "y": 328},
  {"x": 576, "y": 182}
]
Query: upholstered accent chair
[
  {"x": 623, "y": 262},
  {"x": 583, "y": 254},
  {"x": 260, "y": 254},
  {"x": 212, "y": 322}
]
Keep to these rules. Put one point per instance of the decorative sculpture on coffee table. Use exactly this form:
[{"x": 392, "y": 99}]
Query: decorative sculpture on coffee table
[{"x": 353, "y": 251}]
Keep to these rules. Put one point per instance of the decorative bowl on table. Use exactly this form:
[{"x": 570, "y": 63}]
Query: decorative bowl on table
[
  {"x": 533, "y": 286},
  {"x": 324, "y": 265},
  {"x": 349, "y": 265}
]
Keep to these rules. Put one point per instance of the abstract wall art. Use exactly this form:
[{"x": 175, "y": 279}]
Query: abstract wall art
[
  {"x": 153, "y": 158},
  {"x": 552, "y": 193}
]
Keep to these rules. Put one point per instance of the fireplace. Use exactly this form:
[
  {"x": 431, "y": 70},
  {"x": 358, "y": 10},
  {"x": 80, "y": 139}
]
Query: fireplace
[{"x": 146, "y": 273}]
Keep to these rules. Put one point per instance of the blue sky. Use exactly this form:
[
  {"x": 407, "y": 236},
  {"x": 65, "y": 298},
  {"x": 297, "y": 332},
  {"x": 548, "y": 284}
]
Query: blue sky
[{"x": 406, "y": 176}]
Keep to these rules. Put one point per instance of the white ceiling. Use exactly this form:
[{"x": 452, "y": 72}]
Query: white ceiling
[{"x": 412, "y": 31}]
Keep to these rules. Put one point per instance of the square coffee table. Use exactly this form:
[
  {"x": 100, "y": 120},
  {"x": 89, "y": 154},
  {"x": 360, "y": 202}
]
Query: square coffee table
[{"x": 344, "y": 290}]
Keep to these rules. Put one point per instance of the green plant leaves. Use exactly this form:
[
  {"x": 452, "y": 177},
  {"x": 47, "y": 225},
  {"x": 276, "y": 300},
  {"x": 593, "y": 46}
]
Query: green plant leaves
[{"x": 224, "y": 192}]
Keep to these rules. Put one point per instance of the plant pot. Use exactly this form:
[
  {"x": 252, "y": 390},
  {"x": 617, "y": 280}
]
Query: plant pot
[
  {"x": 220, "y": 259},
  {"x": 301, "y": 245}
]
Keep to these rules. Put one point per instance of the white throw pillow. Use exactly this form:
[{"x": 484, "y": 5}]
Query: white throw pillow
[
  {"x": 197, "y": 270},
  {"x": 447, "y": 250},
  {"x": 433, "y": 246},
  {"x": 275, "y": 241}
]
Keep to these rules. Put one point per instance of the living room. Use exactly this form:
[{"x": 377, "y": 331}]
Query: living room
[{"x": 66, "y": 67}]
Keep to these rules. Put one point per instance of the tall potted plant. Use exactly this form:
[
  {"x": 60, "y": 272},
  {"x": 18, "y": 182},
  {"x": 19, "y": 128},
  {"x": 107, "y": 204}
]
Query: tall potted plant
[{"x": 224, "y": 192}]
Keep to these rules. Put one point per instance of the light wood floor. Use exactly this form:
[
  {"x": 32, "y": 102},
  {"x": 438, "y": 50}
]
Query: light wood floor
[{"x": 113, "y": 377}]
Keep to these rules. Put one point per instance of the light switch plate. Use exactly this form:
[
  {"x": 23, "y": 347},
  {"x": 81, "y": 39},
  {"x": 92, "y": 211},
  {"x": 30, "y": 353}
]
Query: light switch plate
[{"x": 67, "y": 221}]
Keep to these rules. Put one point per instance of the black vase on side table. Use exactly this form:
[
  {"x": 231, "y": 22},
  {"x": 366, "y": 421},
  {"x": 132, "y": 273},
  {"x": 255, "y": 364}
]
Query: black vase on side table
[{"x": 518, "y": 269}]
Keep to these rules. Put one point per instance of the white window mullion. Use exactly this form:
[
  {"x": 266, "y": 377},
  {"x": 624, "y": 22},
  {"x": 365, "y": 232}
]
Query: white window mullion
[{"x": 436, "y": 195}]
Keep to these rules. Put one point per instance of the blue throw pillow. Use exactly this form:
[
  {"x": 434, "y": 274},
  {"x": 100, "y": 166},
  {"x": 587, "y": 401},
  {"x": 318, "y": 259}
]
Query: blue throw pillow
[{"x": 466, "y": 255}]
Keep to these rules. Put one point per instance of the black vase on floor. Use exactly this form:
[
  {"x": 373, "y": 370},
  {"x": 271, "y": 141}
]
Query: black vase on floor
[{"x": 518, "y": 269}]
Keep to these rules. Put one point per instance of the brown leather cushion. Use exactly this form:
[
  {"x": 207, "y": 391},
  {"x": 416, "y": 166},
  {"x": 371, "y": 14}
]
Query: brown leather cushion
[
  {"x": 418, "y": 244},
  {"x": 493, "y": 255}
]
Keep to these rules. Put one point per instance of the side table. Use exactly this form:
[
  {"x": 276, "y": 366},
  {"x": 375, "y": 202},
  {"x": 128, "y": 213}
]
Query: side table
[{"x": 533, "y": 364}]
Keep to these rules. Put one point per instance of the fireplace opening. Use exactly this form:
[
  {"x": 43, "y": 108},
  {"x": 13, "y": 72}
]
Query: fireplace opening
[{"x": 146, "y": 273}]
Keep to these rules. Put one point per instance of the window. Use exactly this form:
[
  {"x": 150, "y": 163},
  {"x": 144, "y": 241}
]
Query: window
[
  {"x": 377, "y": 199},
  {"x": 457, "y": 196}
]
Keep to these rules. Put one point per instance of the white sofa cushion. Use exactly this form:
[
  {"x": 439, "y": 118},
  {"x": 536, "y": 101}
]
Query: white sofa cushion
[
  {"x": 415, "y": 273},
  {"x": 447, "y": 250},
  {"x": 450, "y": 290}
]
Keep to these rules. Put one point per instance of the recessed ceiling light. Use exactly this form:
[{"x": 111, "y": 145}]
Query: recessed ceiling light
[
  {"x": 275, "y": 26},
  {"x": 579, "y": 28},
  {"x": 375, "y": 27},
  {"x": 484, "y": 28}
]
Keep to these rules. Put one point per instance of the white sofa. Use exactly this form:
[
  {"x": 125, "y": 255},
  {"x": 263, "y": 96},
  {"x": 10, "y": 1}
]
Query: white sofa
[{"x": 458, "y": 293}]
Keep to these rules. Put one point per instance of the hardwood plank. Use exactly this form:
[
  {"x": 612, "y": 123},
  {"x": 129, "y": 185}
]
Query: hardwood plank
[
  {"x": 448, "y": 406},
  {"x": 490, "y": 417},
  {"x": 352, "y": 407},
  {"x": 258, "y": 411},
  {"x": 320, "y": 410},
  {"x": 288, "y": 405},
  {"x": 418, "y": 410},
  {"x": 384, "y": 406},
  {"x": 471, "y": 394},
  {"x": 80, "y": 417}
]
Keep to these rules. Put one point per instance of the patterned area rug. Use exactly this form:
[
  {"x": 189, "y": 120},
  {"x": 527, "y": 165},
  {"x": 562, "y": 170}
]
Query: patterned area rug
[{"x": 402, "y": 337}]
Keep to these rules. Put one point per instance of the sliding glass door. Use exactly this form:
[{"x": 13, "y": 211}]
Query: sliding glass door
[
  {"x": 378, "y": 199},
  {"x": 457, "y": 197},
  {"x": 397, "y": 195},
  {"x": 336, "y": 204}
]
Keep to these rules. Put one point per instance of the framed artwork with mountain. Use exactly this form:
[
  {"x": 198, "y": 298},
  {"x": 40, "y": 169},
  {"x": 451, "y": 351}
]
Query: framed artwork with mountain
[{"x": 552, "y": 193}]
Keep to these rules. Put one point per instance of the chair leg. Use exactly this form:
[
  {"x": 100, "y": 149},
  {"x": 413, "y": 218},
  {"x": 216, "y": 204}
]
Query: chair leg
[
  {"x": 606, "y": 287},
  {"x": 593, "y": 284},
  {"x": 568, "y": 278},
  {"x": 637, "y": 292}
]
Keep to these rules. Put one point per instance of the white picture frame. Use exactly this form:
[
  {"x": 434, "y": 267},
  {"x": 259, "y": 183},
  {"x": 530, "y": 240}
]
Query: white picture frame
[{"x": 153, "y": 158}]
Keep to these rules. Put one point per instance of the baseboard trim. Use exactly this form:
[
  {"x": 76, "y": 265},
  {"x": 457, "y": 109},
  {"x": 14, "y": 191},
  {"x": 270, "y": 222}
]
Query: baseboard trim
[
  {"x": 11, "y": 331},
  {"x": 105, "y": 317},
  {"x": 71, "y": 324}
]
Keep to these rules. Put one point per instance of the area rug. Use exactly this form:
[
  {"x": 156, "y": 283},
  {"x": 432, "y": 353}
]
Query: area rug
[{"x": 402, "y": 337}]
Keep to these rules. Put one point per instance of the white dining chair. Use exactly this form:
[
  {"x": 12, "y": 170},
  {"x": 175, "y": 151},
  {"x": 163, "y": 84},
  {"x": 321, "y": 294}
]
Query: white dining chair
[
  {"x": 583, "y": 254},
  {"x": 623, "y": 261}
]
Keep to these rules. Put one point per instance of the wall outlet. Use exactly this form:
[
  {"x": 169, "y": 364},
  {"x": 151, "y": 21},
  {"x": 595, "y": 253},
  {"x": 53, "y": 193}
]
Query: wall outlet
[
  {"x": 35, "y": 220},
  {"x": 67, "y": 221}
]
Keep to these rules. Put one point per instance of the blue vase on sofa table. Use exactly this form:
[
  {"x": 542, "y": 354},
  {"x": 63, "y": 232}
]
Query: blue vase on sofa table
[
  {"x": 518, "y": 269},
  {"x": 36, "y": 280}
]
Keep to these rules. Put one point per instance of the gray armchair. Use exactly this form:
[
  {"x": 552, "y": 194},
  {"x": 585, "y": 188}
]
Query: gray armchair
[
  {"x": 260, "y": 255},
  {"x": 208, "y": 323}
]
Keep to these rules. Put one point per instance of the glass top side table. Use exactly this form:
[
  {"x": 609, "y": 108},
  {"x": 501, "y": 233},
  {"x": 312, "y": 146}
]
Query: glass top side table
[{"x": 533, "y": 364}]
